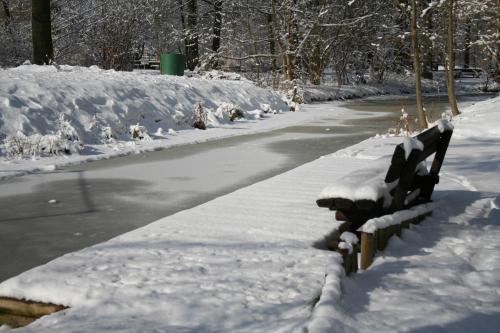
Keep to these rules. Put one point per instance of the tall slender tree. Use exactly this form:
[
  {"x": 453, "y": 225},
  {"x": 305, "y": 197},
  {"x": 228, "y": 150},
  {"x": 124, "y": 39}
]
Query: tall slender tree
[
  {"x": 191, "y": 41},
  {"x": 43, "y": 51},
  {"x": 450, "y": 55},
  {"x": 422, "y": 119}
]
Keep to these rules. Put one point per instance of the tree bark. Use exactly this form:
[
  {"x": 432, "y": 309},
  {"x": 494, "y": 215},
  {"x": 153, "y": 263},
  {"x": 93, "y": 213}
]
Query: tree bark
[
  {"x": 272, "y": 48},
  {"x": 191, "y": 42},
  {"x": 43, "y": 51},
  {"x": 8, "y": 16},
  {"x": 217, "y": 26},
  {"x": 450, "y": 50},
  {"x": 422, "y": 120},
  {"x": 428, "y": 50},
  {"x": 290, "y": 59},
  {"x": 497, "y": 66},
  {"x": 467, "y": 44}
]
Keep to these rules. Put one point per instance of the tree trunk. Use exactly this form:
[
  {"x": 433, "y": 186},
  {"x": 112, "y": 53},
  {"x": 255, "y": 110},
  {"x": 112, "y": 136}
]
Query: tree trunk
[
  {"x": 428, "y": 50},
  {"x": 422, "y": 121},
  {"x": 217, "y": 26},
  {"x": 497, "y": 72},
  {"x": 468, "y": 44},
  {"x": 450, "y": 50},
  {"x": 43, "y": 52},
  {"x": 290, "y": 60},
  {"x": 216, "y": 32},
  {"x": 272, "y": 48},
  {"x": 191, "y": 42},
  {"x": 8, "y": 16}
]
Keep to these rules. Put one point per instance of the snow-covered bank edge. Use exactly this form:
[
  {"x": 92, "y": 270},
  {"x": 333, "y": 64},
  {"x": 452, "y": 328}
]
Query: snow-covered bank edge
[{"x": 397, "y": 85}]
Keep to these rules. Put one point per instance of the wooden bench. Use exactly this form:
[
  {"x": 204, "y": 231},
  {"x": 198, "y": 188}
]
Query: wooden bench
[{"x": 408, "y": 183}]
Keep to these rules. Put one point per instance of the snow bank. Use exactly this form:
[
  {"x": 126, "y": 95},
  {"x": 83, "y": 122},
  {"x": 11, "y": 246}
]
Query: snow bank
[{"x": 96, "y": 101}]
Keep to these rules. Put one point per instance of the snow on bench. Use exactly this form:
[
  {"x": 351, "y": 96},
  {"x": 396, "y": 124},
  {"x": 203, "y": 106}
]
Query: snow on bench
[{"x": 367, "y": 202}]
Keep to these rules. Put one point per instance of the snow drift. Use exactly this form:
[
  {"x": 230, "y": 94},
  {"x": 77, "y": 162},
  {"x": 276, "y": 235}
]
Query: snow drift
[{"x": 100, "y": 103}]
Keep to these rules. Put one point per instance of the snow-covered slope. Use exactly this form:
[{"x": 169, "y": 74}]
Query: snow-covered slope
[{"x": 32, "y": 98}]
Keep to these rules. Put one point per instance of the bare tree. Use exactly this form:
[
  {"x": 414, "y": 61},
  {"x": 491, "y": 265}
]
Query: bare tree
[
  {"x": 422, "y": 121},
  {"x": 43, "y": 51},
  {"x": 191, "y": 39},
  {"x": 450, "y": 55}
]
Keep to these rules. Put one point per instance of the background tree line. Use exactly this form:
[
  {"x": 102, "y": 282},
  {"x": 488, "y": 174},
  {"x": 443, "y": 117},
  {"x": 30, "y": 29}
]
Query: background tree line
[{"x": 271, "y": 39}]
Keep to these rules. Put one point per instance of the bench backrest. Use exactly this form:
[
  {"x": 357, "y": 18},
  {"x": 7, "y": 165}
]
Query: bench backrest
[{"x": 403, "y": 169}]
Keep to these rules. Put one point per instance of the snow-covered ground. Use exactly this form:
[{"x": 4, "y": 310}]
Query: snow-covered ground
[{"x": 246, "y": 262}]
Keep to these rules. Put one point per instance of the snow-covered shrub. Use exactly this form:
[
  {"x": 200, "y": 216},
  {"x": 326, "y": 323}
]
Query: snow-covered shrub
[
  {"x": 64, "y": 141},
  {"x": 294, "y": 94},
  {"x": 200, "y": 117},
  {"x": 229, "y": 111},
  {"x": 447, "y": 116},
  {"x": 403, "y": 125},
  {"x": 266, "y": 108},
  {"x": 65, "y": 130},
  {"x": 20, "y": 145},
  {"x": 138, "y": 132},
  {"x": 106, "y": 134},
  {"x": 103, "y": 133}
]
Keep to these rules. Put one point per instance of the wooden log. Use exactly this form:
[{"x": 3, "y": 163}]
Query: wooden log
[
  {"x": 367, "y": 249},
  {"x": 27, "y": 308},
  {"x": 15, "y": 321},
  {"x": 15, "y": 312}
]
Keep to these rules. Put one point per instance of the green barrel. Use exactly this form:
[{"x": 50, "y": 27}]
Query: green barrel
[{"x": 172, "y": 64}]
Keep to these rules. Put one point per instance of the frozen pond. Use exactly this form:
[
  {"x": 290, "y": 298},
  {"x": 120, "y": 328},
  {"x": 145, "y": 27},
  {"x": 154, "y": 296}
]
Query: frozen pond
[{"x": 94, "y": 202}]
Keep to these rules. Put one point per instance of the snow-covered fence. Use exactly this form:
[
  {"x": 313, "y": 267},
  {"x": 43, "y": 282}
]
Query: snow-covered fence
[{"x": 378, "y": 209}]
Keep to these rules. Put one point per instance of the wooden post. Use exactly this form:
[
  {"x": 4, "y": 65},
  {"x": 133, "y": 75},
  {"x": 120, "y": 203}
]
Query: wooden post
[
  {"x": 346, "y": 259},
  {"x": 367, "y": 249}
]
